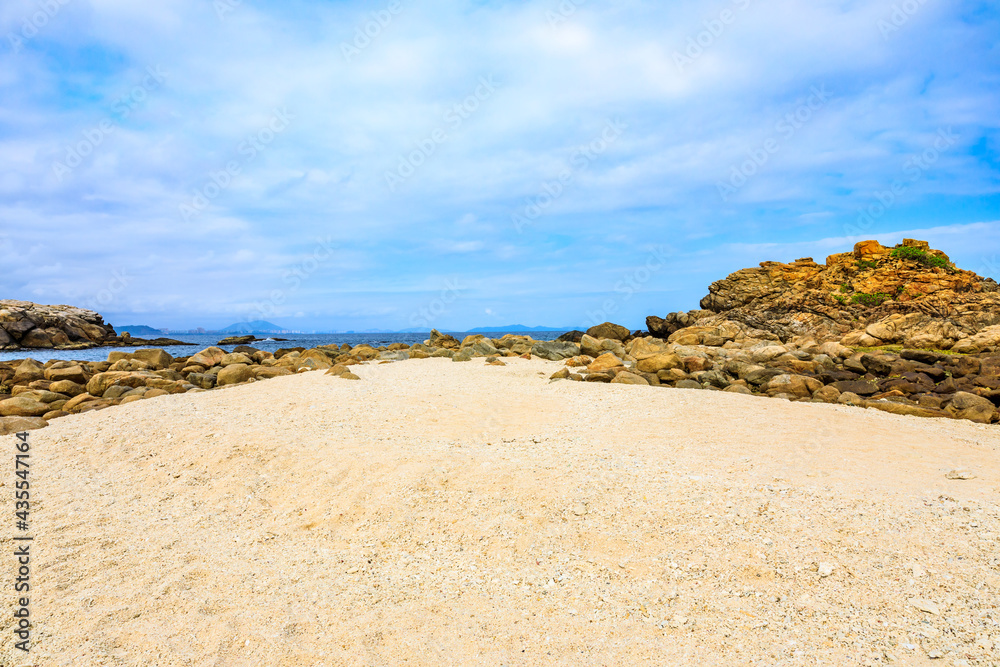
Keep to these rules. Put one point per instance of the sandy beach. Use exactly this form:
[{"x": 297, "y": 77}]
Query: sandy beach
[{"x": 441, "y": 513}]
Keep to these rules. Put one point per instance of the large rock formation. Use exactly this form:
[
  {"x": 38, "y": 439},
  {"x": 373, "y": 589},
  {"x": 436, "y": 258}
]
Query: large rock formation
[
  {"x": 910, "y": 295},
  {"x": 31, "y": 325}
]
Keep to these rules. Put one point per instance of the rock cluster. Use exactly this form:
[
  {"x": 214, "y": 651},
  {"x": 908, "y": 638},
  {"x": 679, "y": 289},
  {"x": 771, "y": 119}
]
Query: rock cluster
[
  {"x": 724, "y": 358},
  {"x": 32, "y": 393},
  {"x": 910, "y": 295},
  {"x": 31, "y": 325},
  {"x": 27, "y": 325},
  {"x": 912, "y": 382}
]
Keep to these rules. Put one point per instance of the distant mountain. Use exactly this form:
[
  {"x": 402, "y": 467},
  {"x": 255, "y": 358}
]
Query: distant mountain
[
  {"x": 254, "y": 327},
  {"x": 139, "y": 330},
  {"x": 516, "y": 327}
]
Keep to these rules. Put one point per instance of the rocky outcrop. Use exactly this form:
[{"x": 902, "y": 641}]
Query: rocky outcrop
[
  {"x": 722, "y": 357},
  {"x": 24, "y": 324},
  {"x": 27, "y": 325},
  {"x": 909, "y": 295}
]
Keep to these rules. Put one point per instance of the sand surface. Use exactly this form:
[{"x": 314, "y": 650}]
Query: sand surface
[{"x": 441, "y": 513}]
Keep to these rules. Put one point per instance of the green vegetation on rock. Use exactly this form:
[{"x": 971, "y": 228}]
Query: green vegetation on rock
[
  {"x": 876, "y": 299},
  {"x": 922, "y": 256}
]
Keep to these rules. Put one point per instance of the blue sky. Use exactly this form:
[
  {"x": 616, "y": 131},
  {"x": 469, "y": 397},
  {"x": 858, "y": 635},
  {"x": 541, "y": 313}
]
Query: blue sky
[{"x": 353, "y": 165}]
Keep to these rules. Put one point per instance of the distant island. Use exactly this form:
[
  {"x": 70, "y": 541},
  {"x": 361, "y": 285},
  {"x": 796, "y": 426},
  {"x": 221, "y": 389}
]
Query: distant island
[
  {"x": 255, "y": 327},
  {"x": 517, "y": 327},
  {"x": 140, "y": 330}
]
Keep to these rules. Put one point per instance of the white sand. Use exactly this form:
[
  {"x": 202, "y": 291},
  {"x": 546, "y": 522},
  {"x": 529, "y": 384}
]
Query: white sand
[{"x": 440, "y": 513}]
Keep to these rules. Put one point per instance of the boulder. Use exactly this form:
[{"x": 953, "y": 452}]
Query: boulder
[
  {"x": 210, "y": 356},
  {"x": 439, "y": 339},
  {"x": 795, "y": 385},
  {"x": 856, "y": 387},
  {"x": 647, "y": 346},
  {"x": 555, "y": 350},
  {"x": 364, "y": 352},
  {"x": 834, "y": 349},
  {"x": 155, "y": 358},
  {"x": 766, "y": 353},
  {"x": 924, "y": 356},
  {"x": 483, "y": 348},
  {"x": 234, "y": 374},
  {"x": 74, "y": 373},
  {"x": 571, "y": 337},
  {"x": 609, "y": 330},
  {"x": 877, "y": 364},
  {"x": 711, "y": 336},
  {"x": 100, "y": 382},
  {"x": 904, "y": 409},
  {"x": 626, "y": 377},
  {"x": 990, "y": 367},
  {"x": 22, "y": 406},
  {"x": 320, "y": 356},
  {"x": 237, "y": 340},
  {"x": 884, "y": 330},
  {"x": 604, "y": 363},
  {"x": 962, "y": 405},
  {"x": 27, "y": 371},
  {"x": 208, "y": 381},
  {"x": 828, "y": 394},
  {"x": 68, "y": 387},
  {"x": 658, "y": 362},
  {"x": 76, "y": 401},
  {"x": 663, "y": 327},
  {"x": 268, "y": 373},
  {"x": 10, "y": 425},
  {"x": 43, "y": 396}
]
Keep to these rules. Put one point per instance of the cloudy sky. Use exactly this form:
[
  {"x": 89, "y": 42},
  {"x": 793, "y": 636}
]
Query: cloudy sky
[{"x": 350, "y": 165}]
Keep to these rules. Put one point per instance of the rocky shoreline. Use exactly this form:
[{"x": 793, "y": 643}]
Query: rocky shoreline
[
  {"x": 911, "y": 382},
  {"x": 764, "y": 332},
  {"x": 31, "y": 326}
]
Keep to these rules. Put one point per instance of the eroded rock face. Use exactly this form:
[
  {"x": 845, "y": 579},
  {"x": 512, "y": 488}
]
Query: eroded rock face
[
  {"x": 32, "y": 325},
  {"x": 910, "y": 295}
]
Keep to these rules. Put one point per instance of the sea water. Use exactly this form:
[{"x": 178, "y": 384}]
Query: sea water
[{"x": 201, "y": 341}]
